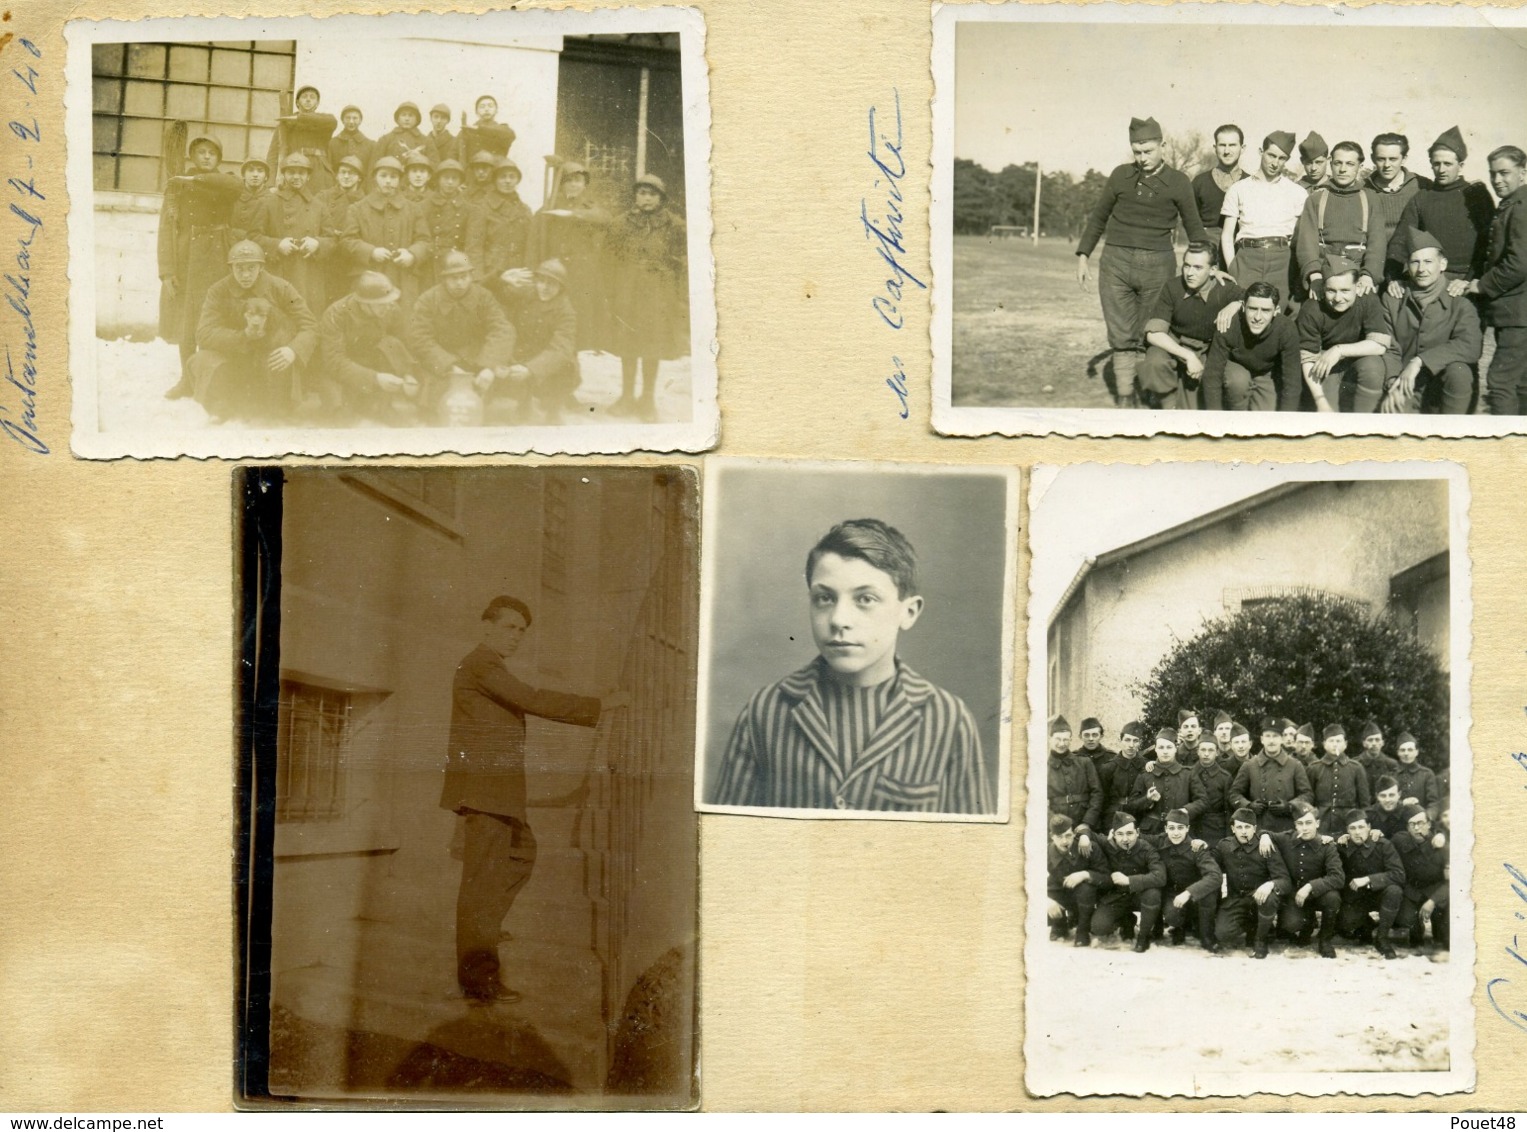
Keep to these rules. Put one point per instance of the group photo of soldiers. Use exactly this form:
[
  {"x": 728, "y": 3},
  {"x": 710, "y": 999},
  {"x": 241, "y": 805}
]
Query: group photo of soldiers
[
  {"x": 1271, "y": 838},
  {"x": 392, "y": 274}
]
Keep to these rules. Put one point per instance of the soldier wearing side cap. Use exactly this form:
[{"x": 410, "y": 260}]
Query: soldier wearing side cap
[
  {"x": 1271, "y": 781},
  {"x": 1260, "y": 214},
  {"x": 1337, "y": 784},
  {"x": 246, "y": 210},
  {"x": 291, "y": 230},
  {"x": 1072, "y": 882},
  {"x": 1193, "y": 879},
  {"x": 1209, "y": 795},
  {"x": 1316, "y": 160},
  {"x": 1223, "y": 725},
  {"x": 1455, "y": 210},
  {"x": 1315, "y": 880},
  {"x": 254, "y": 339},
  {"x": 1375, "y": 883},
  {"x": 1138, "y": 213},
  {"x": 1343, "y": 338},
  {"x": 1304, "y": 744},
  {"x": 1253, "y": 882},
  {"x": 1118, "y": 774},
  {"x": 1071, "y": 781},
  {"x": 1423, "y": 852},
  {"x": 1136, "y": 877},
  {"x": 1240, "y": 747},
  {"x": 1435, "y": 339},
  {"x": 350, "y": 142},
  {"x": 458, "y": 328},
  {"x": 1189, "y": 729},
  {"x": 386, "y": 233},
  {"x": 308, "y": 131},
  {"x": 1372, "y": 758},
  {"x": 1091, "y": 735},
  {"x": 370, "y": 372},
  {"x": 1165, "y": 784}
]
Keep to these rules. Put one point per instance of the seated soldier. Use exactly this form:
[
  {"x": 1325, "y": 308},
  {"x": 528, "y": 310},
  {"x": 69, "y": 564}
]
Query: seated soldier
[
  {"x": 1418, "y": 785},
  {"x": 457, "y": 329},
  {"x": 1337, "y": 783},
  {"x": 1208, "y": 805},
  {"x": 1315, "y": 880},
  {"x": 1192, "y": 882},
  {"x": 1135, "y": 879},
  {"x": 1164, "y": 784},
  {"x": 369, "y": 370},
  {"x": 1342, "y": 341},
  {"x": 250, "y": 354},
  {"x": 1179, "y": 329},
  {"x": 1073, "y": 883},
  {"x": 1375, "y": 883},
  {"x": 1435, "y": 339},
  {"x": 1252, "y": 886},
  {"x": 546, "y": 352},
  {"x": 1424, "y": 855},
  {"x": 1254, "y": 365}
]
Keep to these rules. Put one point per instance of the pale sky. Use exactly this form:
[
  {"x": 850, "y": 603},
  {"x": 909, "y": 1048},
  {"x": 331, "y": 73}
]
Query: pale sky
[{"x": 1063, "y": 93}]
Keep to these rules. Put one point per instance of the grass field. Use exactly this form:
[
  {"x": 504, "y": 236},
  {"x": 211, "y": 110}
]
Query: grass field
[{"x": 1021, "y": 323}]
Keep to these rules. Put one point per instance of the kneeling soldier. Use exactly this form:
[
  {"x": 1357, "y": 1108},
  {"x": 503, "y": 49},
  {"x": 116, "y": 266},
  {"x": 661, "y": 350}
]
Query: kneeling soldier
[
  {"x": 546, "y": 339},
  {"x": 1179, "y": 329},
  {"x": 1252, "y": 884},
  {"x": 1315, "y": 880},
  {"x": 457, "y": 329},
  {"x": 362, "y": 341},
  {"x": 1376, "y": 883},
  {"x": 1073, "y": 883},
  {"x": 1136, "y": 876},
  {"x": 1423, "y": 853},
  {"x": 1192, "y": 882}
]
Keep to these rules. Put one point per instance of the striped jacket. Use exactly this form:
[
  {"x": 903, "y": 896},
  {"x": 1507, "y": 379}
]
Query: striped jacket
[{"x": 924, "y": 755}]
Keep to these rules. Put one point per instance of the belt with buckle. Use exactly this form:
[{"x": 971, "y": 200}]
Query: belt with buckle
[{"x": 1264, "y": 242}]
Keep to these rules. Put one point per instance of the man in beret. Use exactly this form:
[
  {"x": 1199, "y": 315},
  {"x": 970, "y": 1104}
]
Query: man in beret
[
  {"x": 1179, "y": 329},
  {"x": 1092, "y": 742},
  {"x": 1210, "y": 186},
  {"x": 1072, "y": 883},
  {"x": 1501, "y": 288},
  {"x": 1423, "y": 852},
  {"x": 1315, "y": 881},
  {"x": 1252, "y": 883},
  {"x": 1375, "y": 883},
  {"x": 1209, "y": 794},
  {"x": 1119, "y": 773},
  {"x": 1417, "y": 782},
  {"x": 1336, "y": 222},
  {"x": 1316, "y": 158},
  {"x": 1270, "y": 781},
  {"x": 1338, "y": 784},
  {"x": 1260, "y": 213},
  {"x": 1136, "y": 877},
  {"x": 1455, "y": 210},
  {"x": 1072, "y": 783},
  {"x": 1165, "y": 784},
  {"x": 1343, "y": 338},
  {"x": 1390, "y": 186},
  {"x": 1192, "y": 882},
  {"x": 1138, "y": 212},
  {"x": 1435, "y": 339}
]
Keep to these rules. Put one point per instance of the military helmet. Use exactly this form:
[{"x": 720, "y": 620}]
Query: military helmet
[
  {"x": 574, "y": 169},
  {"x": 449, "y": 165},
  {"x": 483, "y": 157},
  {"x": 654, "y": 182},
  {"x": 396, "y": 114},
  {"x": 374, "y": 287},
  {"x": 296, "y": 161},
  {"x": 200, "y": 139},
  {"x": 456, "y": 262},
  {"x": 418, "y": 158},
  {"x": 248, "y": 161},
  {"x": 246, "y": 251},
  {"x": 505, "y": 163},
  {"x": 352, "y": 162},
  {"x": 554, "y": 270},
  {"x": 388, "y": 163}
]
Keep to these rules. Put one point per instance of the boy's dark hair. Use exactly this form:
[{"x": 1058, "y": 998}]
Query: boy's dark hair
[
  {"x": 501, "y": 603},
  {"x": 1262, "y": 289},
  {"x": 1230, "y": 128},
  {"x": 1393, "y": 139},
  {"x": 879, "y": 544}
]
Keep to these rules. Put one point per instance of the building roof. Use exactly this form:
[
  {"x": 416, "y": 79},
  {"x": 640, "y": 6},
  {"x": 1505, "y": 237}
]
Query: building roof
[{"x": 1172, "y": 534}]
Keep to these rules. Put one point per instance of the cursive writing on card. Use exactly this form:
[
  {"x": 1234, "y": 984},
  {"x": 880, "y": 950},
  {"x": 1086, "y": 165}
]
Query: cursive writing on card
[
  {"x": 1503, "y": 992},
  {"x": 23, "y": 224},
  {"x": 883, "y": 229}
]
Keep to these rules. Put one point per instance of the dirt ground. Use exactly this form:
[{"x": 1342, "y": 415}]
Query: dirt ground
[{"x": 1106, "y": 1013}]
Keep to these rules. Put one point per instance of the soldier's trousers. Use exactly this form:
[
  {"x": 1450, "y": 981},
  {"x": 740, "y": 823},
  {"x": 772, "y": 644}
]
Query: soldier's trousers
[
  {"x": 1263, "y": 265},
  {"x": 498, "y": 856},
  {"x": 1129, "y": 279},
  {"x": 1247, "y": 391},
  {"x": 1449, "y": 391},
  {"x": 1118, "y": 903},
  {"x": 1241, "y": 916},
  {"x": 1409, "y": 917},
  {"x": 1356, "y": 907},
  {"x": 1292, "y": 918},
  {"x": 1164, "y": 376},
  {"x": 1078, "y": 905},
  {"x": 1508, "y": 372},
  {"x": 1356, "y": 385},
  {"x": 1205, "y": 909}
]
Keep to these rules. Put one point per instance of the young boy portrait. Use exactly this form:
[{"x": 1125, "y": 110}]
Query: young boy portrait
[{"x": 857, "y": 728}]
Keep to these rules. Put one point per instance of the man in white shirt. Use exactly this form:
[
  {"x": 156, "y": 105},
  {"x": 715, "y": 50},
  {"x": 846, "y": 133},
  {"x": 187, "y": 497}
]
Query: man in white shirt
[{"x": 1260, "y": 212}]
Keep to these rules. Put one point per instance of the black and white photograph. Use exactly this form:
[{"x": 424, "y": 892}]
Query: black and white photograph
[
  {"x": 492, "y": 236},
  {"x": 1134, "y": 232},
  {"x": 1248, "y": 691},
  {"x": 856, "y": 657},
  {"x": 467, "y": 839}
]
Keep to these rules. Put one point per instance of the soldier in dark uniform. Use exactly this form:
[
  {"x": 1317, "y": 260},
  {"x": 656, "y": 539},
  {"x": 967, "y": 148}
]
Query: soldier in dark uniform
[
  {"x": 291, "y": 231},
  {"x": 1271, "y": 780},
  {"x": 1375, "y": 882},
  {"x": 546, "y": 341},
  {"x": 573, "y": 227},
  {"x": 336, "y": 203},
  {"x": 1164, "y": 785},
  {"x": 1315, "y": 880},
  {"x": 1386, "y": 816},
  {"x": 194, "y": 240},
  {"x": 1192, "y": 882},
  {"x": 404, "y": 138},
  {"x": 506, "y": 221},
  {"x": 1072, "y": 782},
  {"x": 350, "y": 142},
  {"x": 1501, "y": 289},
  {"x": 455, "y": 221},
  {"x": 1240, "y": 747},
  {"x": 385, "y": 233},
  {"x": 1252, "y": 884},
  {"x": 418, "y": 169},
  {"x": 458, "y": 328},
  {"x": 1118, "y": 774},
  {"x": 1424, "y": 855},
  {"x": 649, "y": 291},
  {"x": 246, "y": 210},
  {"x": 1455, "y": 210},
  {"x": 487, "y": 134},
  {"x": 1337, "y": 784},
  {"x": 1304, "y": 744},
  {"x": 1092, "y": 743},
  {"x": 308, "y": 132},
  {"x": 1224, "y": 725},
  {"x": 1290, "y": 736},
  {"x": 443, "y": 144},
  {"x": 1136, "y": 877},
  {"x": 1188, "y": 731},
  {"x": 480, "y": 182},
  {"x": 1418, "y": 784},
  {"x": 365, "y": 357},
  {"x": 1072, "y": 884},
  {"x": 1208, "y": 805},
  {"x": 1373, "y": 760}
]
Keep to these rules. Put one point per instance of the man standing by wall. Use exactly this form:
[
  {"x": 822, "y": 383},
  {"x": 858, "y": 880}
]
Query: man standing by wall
[{"x": 1139, "y": 210}]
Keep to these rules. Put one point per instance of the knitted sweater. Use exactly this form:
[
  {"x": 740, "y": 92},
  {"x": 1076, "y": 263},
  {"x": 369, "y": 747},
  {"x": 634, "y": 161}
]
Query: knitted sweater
[
  {"x": 1459, "y": 216},
  {"x": 1141, "y": 210}
]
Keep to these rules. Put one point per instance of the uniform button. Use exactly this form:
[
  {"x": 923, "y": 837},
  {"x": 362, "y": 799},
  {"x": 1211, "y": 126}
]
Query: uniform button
[{"x": 840, "y": 803}]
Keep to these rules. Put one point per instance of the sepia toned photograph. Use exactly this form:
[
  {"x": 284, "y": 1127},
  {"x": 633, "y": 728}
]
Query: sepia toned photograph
[
  {"x": 494, "y": 237},
  {"x": 856, "y": 642},
  {"x": 468, "y": 851},
  {"x": 1249, "y": 701},
  {"x": 1128, "y": 250}
]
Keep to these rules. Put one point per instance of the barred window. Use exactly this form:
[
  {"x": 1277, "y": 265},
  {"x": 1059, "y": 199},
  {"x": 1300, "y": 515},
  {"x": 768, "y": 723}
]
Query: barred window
[
  {"x": 555, "y": 537},
  {"x": 229, "y": 91},
  {"x": 311, "y": 752}
]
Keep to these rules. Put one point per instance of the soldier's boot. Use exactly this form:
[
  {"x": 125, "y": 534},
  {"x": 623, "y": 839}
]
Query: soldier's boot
[
  {"x": 1206, "y": 938},
  {"x": 1384, "y": 948},
  {"x": 1264, "y": 929},
  {"x": 1389, "y": 908},
  {"x": 1417, "y": 933},
  {"x": 1059, "y": 929},
  {"x": 1127, "y": 928},
  {"x": 1083, "y": 937},
  {"x": 1440, "y": 934},
  {"x": 1176, "y": 935},
  {"x": 1327, "y": 935},
  {"x": 1149, "y": 914},
  {"x": 1143, "y": 942}
]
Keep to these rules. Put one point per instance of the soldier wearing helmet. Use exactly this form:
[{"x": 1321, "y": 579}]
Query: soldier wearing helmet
[
  {"x": 572, "y": 228},
  {"x": 291, "y": 233},
  {"x": 405, "y": 136},
  {"x": 649, "y": 290},
  {"x": 418, "y": 170},
  {"x": 369, "y": 370},
  {"x": 386, "y": 233},
  {"x": 443, "y": 145},
  {"x": 506, "y": 220},
  {"x": 545, "y": 367},
  {"x": 457, "y": 327},
  {"x": 455, "y": 220},
  {"x": 246, "y": 210},
  {"x": 305, "y": 131}
]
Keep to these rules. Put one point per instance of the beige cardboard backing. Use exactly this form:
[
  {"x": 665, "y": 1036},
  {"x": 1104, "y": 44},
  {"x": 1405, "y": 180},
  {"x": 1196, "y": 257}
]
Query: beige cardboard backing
[{"x": 862, "y": 965}]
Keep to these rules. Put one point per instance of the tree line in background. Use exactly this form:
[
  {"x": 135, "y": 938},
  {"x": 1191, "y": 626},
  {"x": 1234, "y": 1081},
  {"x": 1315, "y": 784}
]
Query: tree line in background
[{"x": 983, "y": 199}]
